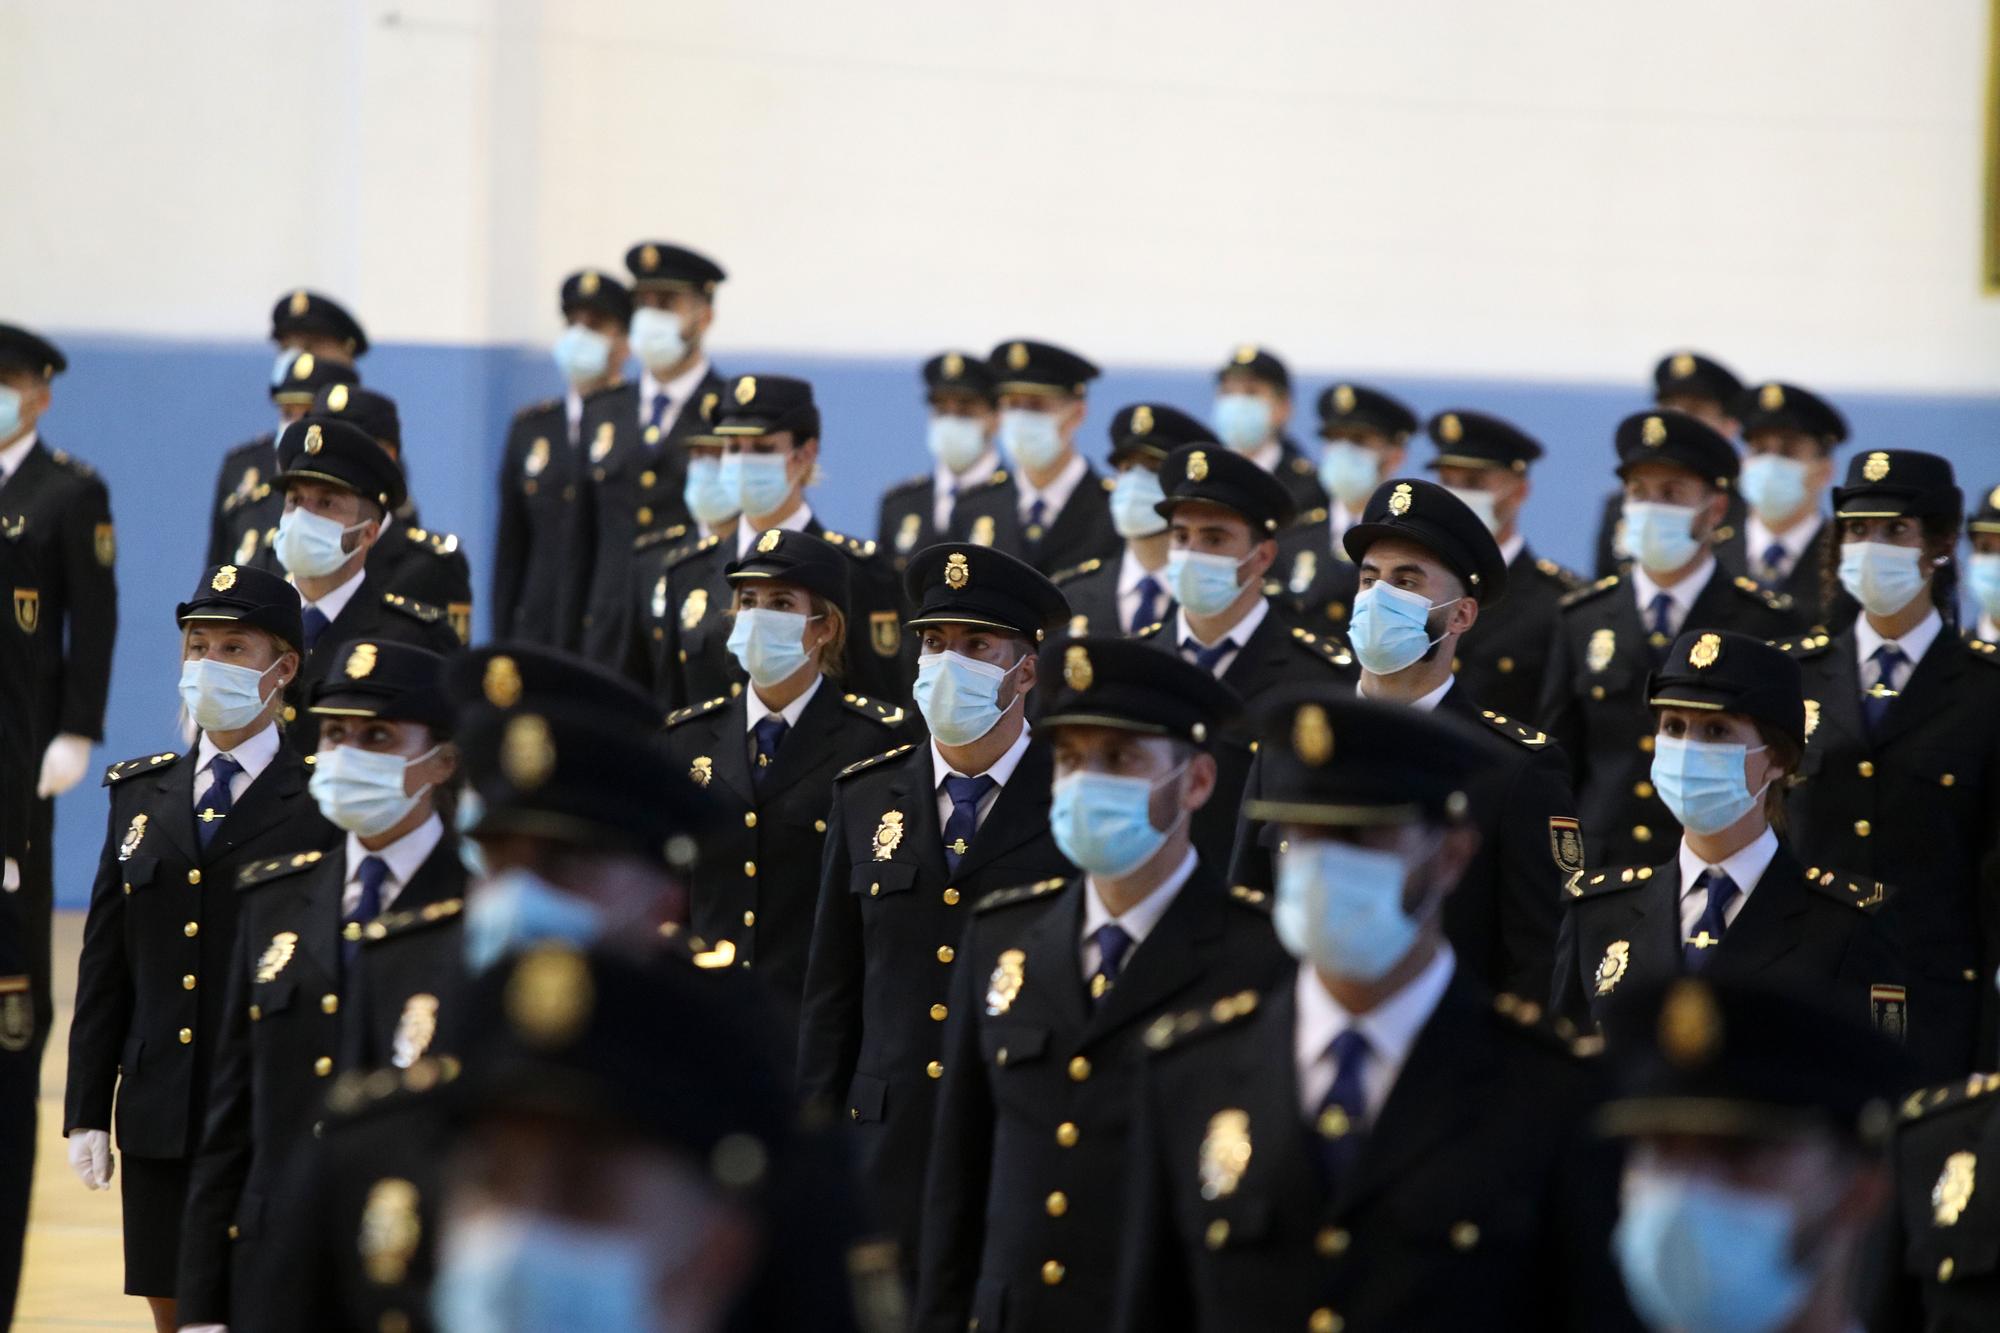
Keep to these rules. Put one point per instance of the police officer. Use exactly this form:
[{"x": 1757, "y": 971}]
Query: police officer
[
  {"x": 384, "y": 754},
  {"x": 1982, "y": 571},
  {"x": 1484, "y": 461},
  {"x": 915, "y": 836},
  {"x": 1901, "y": 776},
  {"x": 318, "y": 343},
  {"x": 1366, "y": 434},
  {"x": 714, "y": 513},
  {"x": 1678, "y": 475},
  {"x": 1056, "y": 983},
  {"x": 772, "y": 431},
  {"x": 958, "y": 392},
  {"x": 1753, "y": 1178},
  {"x": 1129, "y": 594},
  {"x": 1701, "y": 387},
  {"x": 161, "y": 929},
  {"x": 1048, "y": 506},
  {"x": 1734, "y": 902},
  {"x": 1789, "y": 435},
  {"x": 634, "y": 466},
  {"x": 20, "y": 1037},
  {"x": 767, "y": 755},
  {"x": 1933, "y": 1263},
  {"x": 1253, "y": 405},
  {"x": 1374, "y": 1142}
]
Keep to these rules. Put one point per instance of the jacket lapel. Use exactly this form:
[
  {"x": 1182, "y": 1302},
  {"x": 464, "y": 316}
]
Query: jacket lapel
[
  {"x": 173, "y": 806},
  {"x": 1053, "y": 944},
  {"x": 1170, "y": 959},
  {"x": 1019, "y": 813},
  {"x": 265, "y": 802},
  {"x": 440, "y": 877},
  {"x": 1833, "y": 682},
  {"x": 729, "y": 747},
  {"x": 1934, "y": 677},
  {"x": 1766, "y": 929},
  {"x": 915, "y": 795},
  {"x": 800, "y": 752},
  {"x": 319, "y": 891},
  {"x": 1247, "y": 667}
]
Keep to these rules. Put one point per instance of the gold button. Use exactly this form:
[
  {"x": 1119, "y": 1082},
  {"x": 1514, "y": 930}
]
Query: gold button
[
  {"x": 1865, "y": 768},
  {"x": 749, "y": 819},
  {"x": 291, "y": 714},
  {"x": 323, "y": 1066},
  {"x": 1052, "y": 1273},
  {"x": 938, "y": 1012},
  {"x": 1057, "y": 1204},
  {"x": 329, "y": 1003},
  {"x": 1862, "y": 828},
  {"x": 194, "y": 877},
  {"x": 187, "y": 1036},
  {"x": 187, "y": 982},
  {"x": 1640, "y": 833},
  {"x": 128, "y": 888},
  {"x": 1597, "y": 692},
  {"x": 191, "y": 929},
  {"x": 819, "y": 826},
  {"x": 1000, "y": 1057},
  {"x": 1331, "y": 1242},
  {"x": 1079, "y": 1069},
  {"x": 1645, "y": 744},
  {"x": 232, "y": 1231},
  {"x": 946, "y": 953},
  {"x": 1066, "y": 1134},
  {"x": 256, "y": 1012},
  {"x": 874, "y": 890},
  {"x": 934, "y": 1069},
  {"x": 1325, "y": 1321},
  {"x": 951, "y": 897},
  {"x": 1643, "y": 790},
  {"x": 750, "y": 870},
  {"x": 1506, "y": 664},
  {"x": 1945, "y": 1269},
  {"x": 1464, "y": 1236},
  {"x": 648, "y": 478},
  {"x": 1946, "y": 780}
]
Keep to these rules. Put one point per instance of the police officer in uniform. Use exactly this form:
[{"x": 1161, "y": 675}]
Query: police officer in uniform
[
  {"x": 1048, "y": 506},
  {"x": 20, "y": 1037},
  {"x": 634, "y": 465},
  {"x": 915, "y": 836},
  {"x": 654, "y": 553},
  {"x": 1056, "y": 983},
  {"x": 161, "y": 929},
  {"x": 1376, "y": 1142},
  {"x": 1484, "y": 461},
  {"x": 1129, "y": 594},
  {"x": 1789, "y": 435},
  {"x": 1935, "y": 1263},
  {"x": 1683, "y": 382},
  {"x": 1610, "y": 636},
  {"x": 1901, "y": 777},
  {"x": 768, "y": 754},
  {"x": 1253, "y": 405},
  {"x": 1982, "y": 571},
  {"x": 1366, "y": 434},
  {"x": 958, "y": 392},
  {"x": 318, "y": 343},
  {"x": 1734, "y": 902},
  {"x": 772, "y": 429},
  {"x": 384, "y": 754}
]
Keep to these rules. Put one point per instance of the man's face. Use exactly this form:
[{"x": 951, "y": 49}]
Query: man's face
[
  {"x": 1707, "y": 409},
  {"x": 1242, "y": 381},
  {"x": 288, "y": 412},
  {"x": 613, "y": 331},
  {"x": 991, "y": 646},
  {"x": 1066, "y": 408},
  {"x": 1159, "y": 760},
  {"x": 694, "y": 310},
  {"x": 407, "y": 740},
  {"x": 1210, "y": 529},
  {"x": 34, "y": 392},
  {"x": 967, "y": 406},
  {"x": 1666, "y": 484},
  {"x": 323, "y": 346},
  {"x": 339, "y": 504},
  {"x": 1389, "y": 452}
]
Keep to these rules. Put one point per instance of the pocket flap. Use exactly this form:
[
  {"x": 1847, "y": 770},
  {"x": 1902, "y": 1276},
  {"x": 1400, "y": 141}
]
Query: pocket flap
[
  {"x": 877, "y": 879},
  {"x": 273, "y": 997},
  {"x": 1949, "y": 1254},
  {"x": 867, "y": 1098},
  {"x": 1234, "y": 1220},
  {"x": 1008, "y": 1044},
  {"x": 138, "y": 872}
]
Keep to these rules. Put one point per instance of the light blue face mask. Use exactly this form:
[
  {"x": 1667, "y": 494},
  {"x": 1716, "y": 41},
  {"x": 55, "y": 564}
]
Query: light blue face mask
[
  {"x": 582, "y": 354},
  {"x": 1133, "y": 497},
  {"x": 1242, "y": 420},
  {"x": 1883, "y": 578},
  {"x": 1101, "y": 822},
  {"x": 519, "y": 907},
  {"x": 707, "y": 499},
  {"x": 769, "y": 644},
  {"x": 1481, "y": 503},
  {"x": 1704, "y": 783},
  {"x": 10, "y": 410},
  {"x": 757, "y": 481},
  {"x": 1390, "y": 628},
  {"x": 956, "y": 442},
  {"x": 470, "y": 854},
  {"x": 522, "y": 1273},
  {"x": 1982, "y": 572},
  {"x": 312, "y": 545},
  {"x": 960, "y": 697},
  {"x": 1660, "y": 537},
  {"x": 1699, "y": 1255},
  {"x": 1033, "y": 440},
  {"x": 361, "y": 791},
  {"x": 1773, "y": 485},
  {"x": 1350, "y": 472},
  {"x": 1340, "y": 907},
  {"x": 1204, "y": 584},
  {"x": 657, "y": 339},
  {"x": 220, "y": 696}
]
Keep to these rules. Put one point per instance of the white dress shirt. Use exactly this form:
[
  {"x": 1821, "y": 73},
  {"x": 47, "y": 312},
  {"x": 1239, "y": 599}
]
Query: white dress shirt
[
  {"x": 1757, "y": 538},
  {"x": 1138, "y": 922},
  {"x": 1053, "y": 496},
  {"x": 1510, "y": 550},
  {"x": 1339, "y": 518},
  {"x": 404, "y": 857},
  {"x": 573, "y": 412},
  {"x": 1002, "y": 769},
  {"x": 12, "y": 456},
  {"x": 1427, "y": 704},
  {"x": 336, "y": 601},
  {"x": 1913, "y": 645},
  {"x": 1681, "y": 595},
  {"x": 1239, "y": 633},
  {"x": 679, "y": 390},
  {"x": 746, "y": 536},
  {"x": 946, "y": 485},
  {"x": 1391, "y": 1029},
  {"x": 1130, "y": 572},
  {"x": 1267, "y": 455},
  {"x": 1744, "y": 867},
  {"x": 254, "y": 755},
  {"x": 755, "y": 710}
]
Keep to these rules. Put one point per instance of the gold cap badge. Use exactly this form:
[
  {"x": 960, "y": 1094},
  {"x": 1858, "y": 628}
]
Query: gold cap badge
[
  {"x": 1017, "y": 357},
  {"x": 527, "y": 752},
  {"x": 588, "y": 283},
  {"x": 1682, "y": 365},
  {"x": 314, "y": 440},
  {"x": 954, "y": 365},
  {"x": 1706, "y": 651},
  {"x": 769, "y": 541},
  {"x": 746, "y": 389},
  {"x": 1450, "y": 429},
  {"x": 502, "y": 682},
  {"x": 1197, "y": 466},
  {"x": 550, "y": 996},
  {"x": 957, "y": 573},
  {"x": 1142, "y": 420},
  {"x": 1690, "y": 1025},
  {"x": 1876, "y": 466},
  {"x": 1077, "y": 671},
  {"x": 1771, "y": 397},
  {"x": 224, "y": 580},
  {"x": 1654, "y": 433},
  {"x": 336, "y": 398},
  {"x": 361, "y": 661},
  {"x": 649, "y": 257},
  {"x": 299, "y": 304},
  {"x": 1343, "y": 398},
  {"x": 1246, "y": 353},
  {"x": 1312, "y": 735},
  {"x": 1401, "y": 498},
  {"x": 1993, "y": 498}
]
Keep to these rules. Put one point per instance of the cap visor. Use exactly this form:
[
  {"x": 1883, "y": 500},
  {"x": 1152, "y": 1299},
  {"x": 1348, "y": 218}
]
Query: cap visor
[
  {"x": 1331, "y": 816},
  {"x": 1105, "y": 720},
  {"x": 971, "y": 620},
  {"x": 1711, "y": 1116}
]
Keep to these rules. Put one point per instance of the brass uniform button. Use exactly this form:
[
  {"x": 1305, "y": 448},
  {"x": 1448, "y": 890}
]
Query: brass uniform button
[
  {"x": 819, "y": 826},
  {"x": 187, "y": 1036},
  {"x": 1645, "y": 744},
  {"x": 874, "y": 890},
  {"x": 1217, "y": 1234},
  {"x": 1464, "y": 1236},
  {"x": 329, "y": 1003},
  {"x": 1331, "y": 1242},
  {"x": 749, "y": 819},
  {"x": 946, "y": 953},
  {"x": 934, "y": 1069},
  {"x": 1643, "y": 790},
  {"x": 1640, "y": 833},
  {"x": 187, "y": 982},
  {"x": 1597, "y": 692},
  {"x": 1945, "y": 1269},
  {"x": 938, "y": 1013},
  {"x": 291, "y": 714},
  {"x": 256, "y": 1012},
  {"x": 1052, "y": 1273},
  {"x": 749, "y": 870},
  {"x": 128, "y": 888},
  {"x": 1862, "y": 828},
  {"x": 1079, "y": 1069},
  {"x": 323, "y": 1066},
  {"x": 1325, "y": 1321},
  {"x": 194, "y": 877},
  {"x": 1865, "y": 768},
  {"x": 951, "y": 897},
  {"x": 749, "y": 918},
  {"x": 1506, "y": 665},
  {"x": 1946, "y": 780},
  {"x": 191, "y": 929},
  {"x": 1057, "y": 1204},
  {"x": 1066, "y": 1134}
]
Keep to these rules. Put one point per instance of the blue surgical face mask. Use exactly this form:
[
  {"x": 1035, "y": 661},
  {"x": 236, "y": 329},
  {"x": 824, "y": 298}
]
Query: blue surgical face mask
[
  {"x": 466, "y": 818},
  {"x": 1133, "y": 497},
  {"x": 1983, "y": 573},
  {"x": 1660, "y": 537},
  {"x": 1883, "y": 578},
  {"x": 707, "y": 498},
  {"x": 222, "y": 697},
  {"x": 582, "y": 354},
  {"x": 959, "y": 696},
  {"x": 1350, "y": 472},
  {"x": 518, "y": 907},
  {"x": 1390, "y": 628},
  {"x": 657, "y": 339},
  {"x": 1340, "y": 907},
  {"x": 956, "y": 442},
  {"x": 1204, "y": 584},
  {"x": 1481, "y": 503},
  {"x": 10, "y": 410},
  {"x": 1101, "y": 822},
  {"x": 311, "y": 545},
  {"x": 518, "y": 1272},
  {"x": 1242, "y": 420},
  {"x": 1704, "y": 783},
  {"x": 758, "y": 482},
  {"x": 1696, "y": 1254},
  {"x": 1773, "y": 485},
  {"x": 361, "y": 791},
  {"x": 770, "y": 644},
  {"x": 1033, "y": 440}
]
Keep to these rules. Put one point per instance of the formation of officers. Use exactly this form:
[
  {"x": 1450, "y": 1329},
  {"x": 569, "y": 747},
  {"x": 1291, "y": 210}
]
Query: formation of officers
[{"x": 1237, "y": 885}]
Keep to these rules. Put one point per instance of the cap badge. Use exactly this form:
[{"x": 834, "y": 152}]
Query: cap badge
[
  {"x": 502, "y": 682},
  {"x": 1142, "y": 420},
  {"x": 527, "y": 752},
  {"x": 276, "y": 954},
  {"x": 1602, "y": 648},
  {"x": 1771, "y": 397},
  {"x": 361, "y": 661},
  {"x": 1993, "y": 498},
  {"x": 1197, "y": 466},
  {"x": 1225, "y": 1153},
  {"x": 954, "y": 365},
  {"x": 769, "y": 541},
  {"x": 390, "y": 1230},
  {"x": 133, "y": 837},
  {"x": 1343, "y": 398},
  {"x": 957, "y": 572},
  {"x": 1682, "y": 365},
  {"x": 1654, "y": 433},
  {"x": 694, "y": 608},
  {"x": 1312, "y": 736},
  {"x": 746, "y": 389},
  {"x": 702, "y": 770},
  {"x": 1812, "y": 717},
  {"x": 1450, "y": 429},
  {"x": 414, "y": 1030},
  {"x": 1008, "y": 974},
  {"x": 649, "y": 257},
  {"x": 299, "y": 304},
  {"x": 1246, "y": 353},
  {"x": 1400, "y": 498},
  {"x": 1077, "y": 671},
  {"x": 1876, "y": 466},
  {"x": 1612, "y": 970},
  {"x": 336, "y": 398},
  {"x": 302, "y": 366},
  {"x": 315, "y": 440},
  {"x": 1017, "y": 357},
  {"x": 1707, "y": 649},
  {"x": 224, "y": 580},
  {"x": 549, "y": 997},
  {"x": 1953, "y": 1190},
  {"x": 888, "y": 835},
  {"x": 1690, "y": 1025},
  {"x": 587, "y": 284}
]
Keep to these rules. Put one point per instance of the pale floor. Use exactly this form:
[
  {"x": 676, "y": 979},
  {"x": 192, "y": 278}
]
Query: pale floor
[{"x": 75, "y": 1276}]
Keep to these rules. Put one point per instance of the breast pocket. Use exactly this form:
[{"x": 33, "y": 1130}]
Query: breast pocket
[
  {"x": 881, "y": 879},
  {"x": 271, "y": 997},
  {"x": 137, "y": 874},
  {"x": 1949, "y": 1254}
]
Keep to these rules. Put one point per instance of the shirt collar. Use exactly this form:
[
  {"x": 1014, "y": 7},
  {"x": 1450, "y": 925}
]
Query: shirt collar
[
  {"x": 678, "y": 389},
  {"x": 1682, "y": 594},
  {"x": 1988, "y": 630},
  {"x": 1267, "y": 455},
  {"x": 572, "y": 411},
  {"x": 795, "y": 521},
  {"x": 1141, "y": 917},
  {"x": 946, "y": 482},
  {"x": 1000, "y": 770},
  {"x": 1390, "y": 1027},
  {"x": 1130, "y": 571},
  {"x": 1427, "y": 704},
  {"x": 336, "y": 601},
  {"x": 254, "y": 755},
  {"x": 1914, "y": 644},
  {"x": 13, "y": 454},
  {"x": 1239, "y": 633},
  {"x": 1745, "y": 866},
  {"x": 1757, "y": 538},
  {"x": 404, "y": 857},
  {"x": 755, "y": 710},
  {"x": 1053, "y": 496},
  {"x": 1510, "y": 550}
]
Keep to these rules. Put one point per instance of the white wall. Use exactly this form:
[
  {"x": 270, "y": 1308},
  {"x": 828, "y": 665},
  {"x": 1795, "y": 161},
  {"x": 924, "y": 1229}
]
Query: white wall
[{"x": 1555, "y": 189}]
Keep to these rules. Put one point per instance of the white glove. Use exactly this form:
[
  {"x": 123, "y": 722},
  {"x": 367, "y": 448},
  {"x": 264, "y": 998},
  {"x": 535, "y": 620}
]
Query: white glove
[
  {"x": 90, "y": 1157},
  {"x": 10, "y": 875},
  {"x": 63, "y": 765},
  {"x": 204, "y": 1328}
]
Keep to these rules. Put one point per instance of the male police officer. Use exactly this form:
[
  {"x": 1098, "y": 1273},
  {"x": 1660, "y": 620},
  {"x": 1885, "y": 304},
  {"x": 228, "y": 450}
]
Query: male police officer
[
  {"x": 1789, "y": 435},
  {"x": 958, "y": 390},
  {"x": 1253, "y": 405},
  {"x": 1683, "y": 382},
  {"x": 1366, "y": 434}
]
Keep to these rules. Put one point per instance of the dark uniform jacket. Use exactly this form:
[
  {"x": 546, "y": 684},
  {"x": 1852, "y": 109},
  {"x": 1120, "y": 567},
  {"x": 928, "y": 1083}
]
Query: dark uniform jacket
[
  {"x": 905, "y": 523},
  {"x": 1482, "y": 1197},
  {"x": 1612, "y": 519},
  {"x": 1594, "y": 705},
  {"x": 1091, "y": 589},
  {"x": 653, "y": 554},
  {"x": 370, "y": 613},
  {"x": 408, "y": 978},
  {"x": 1804, "y": 582},
  {"x": 1299, "y": 476},
  {"x": 990, "y": 515},
  {"x": 1939, "y": 1253},
  {"x": 246, "y": 508},
  {"x": 1502, "y": 660},
  {"x": 57, "y": 513},
  {"x": 1313, "y": 574},
  {"x": 1023, "y": 1204},
  {"x": 159, "y": 941},
  {"x": 878, "y": 982},
  {"x": 1916, "y": 802},
  {"x": 757, "y": 885},
  {"x": 538, "y": 564},
  {"x": 1814, "y": 931},
  {"x": 25, "y": 1012}
]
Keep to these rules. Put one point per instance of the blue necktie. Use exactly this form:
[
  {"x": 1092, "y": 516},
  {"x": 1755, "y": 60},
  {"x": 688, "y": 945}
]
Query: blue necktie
[
  {"x": 1036, "y": 510},
  {"x": 315, "y": 625},
  {"x": 1112, "y": 942},
  {"x": 1206, "y": 658},
  {"x": 1660, "y": 624},
  {"x": 769, "y": 734},
  {"x": 215, "y": 808},
  {"x": 373, "y": 871},
  {"x": 1149, "y": 604},
  {"x": 1709, "y": 929},
  {"x": 1774, "y": 561},
  {"x": 965, "y": 794},
  {"x": 1875, "y": 700},
  {"x": 658, "y": 411},
  {"x": 1340, "y": 1126}
]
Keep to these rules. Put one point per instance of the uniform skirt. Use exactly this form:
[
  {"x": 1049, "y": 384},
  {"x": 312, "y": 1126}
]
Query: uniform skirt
[{"x": 154, "y": 1192}]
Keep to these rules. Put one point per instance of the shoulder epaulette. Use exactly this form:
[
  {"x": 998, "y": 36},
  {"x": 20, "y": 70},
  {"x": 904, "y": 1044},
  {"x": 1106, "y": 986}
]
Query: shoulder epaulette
[
  {"x": 873, "y": 760},
  {"x": 546, "y": 405},
  {"x": 355, "y": 1094},
  {"x": 392, "y": 924},
  {"x": 411, "y": 607},
  {"x": 854, "y": 546},
  {"x": 1812, "y": 645},
  {"x": 1255, "y": 899},
  {"x": 1529, "y": 1019},
  {"x": 438, "y": 543},
  {"x": 1063, "y": 576},
  {"x": 688, "y": 549},
  {"x": 1588, "y": 591},
  {"x": 889, "y": 715},
  {"x": 1022, "y": 894},
  {"x": 1611, "y": 879},
  {"x": 1310, "y": 517},
  {"x": 1327, "y": 646},
  {"x": 999, "y": 478},
  {"x": 237, "y": 499},
  {"x": 1169, "y": 1031},
  {"x": 145, "y": 763},
  {"x": 706, "y": 542},
  {"x": 1150, "y": 630},
  {"x": 1518, "y": 732},
  {"x": 1862, "y": 894},
  {"x": 263, "y": 872},
  {"x": 1929, "y": 1101},
  {"x": 646, "y": 541},
  {"x": 680, "y": 715},
  {"x": 72, "y": 463},
  {"x": 1757, "y": 592},
  {"x": 1983, "y": 649},
  {"x": 1569, "y": 578}
]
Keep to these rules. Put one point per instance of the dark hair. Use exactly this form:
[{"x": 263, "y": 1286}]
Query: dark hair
[
  {"x": 1941, "y": 533},
  {"x": 1783, "y": 752}
]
